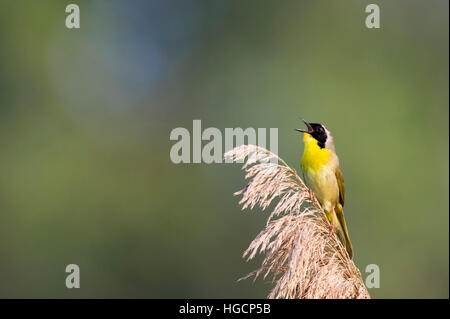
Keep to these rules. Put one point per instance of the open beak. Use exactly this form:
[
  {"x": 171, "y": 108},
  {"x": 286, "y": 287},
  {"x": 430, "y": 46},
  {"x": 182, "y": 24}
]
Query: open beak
[{"x": 310, "y": 129}]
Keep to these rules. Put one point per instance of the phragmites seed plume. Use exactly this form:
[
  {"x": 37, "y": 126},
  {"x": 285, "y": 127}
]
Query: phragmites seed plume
[{"x": 301, "y": 255}]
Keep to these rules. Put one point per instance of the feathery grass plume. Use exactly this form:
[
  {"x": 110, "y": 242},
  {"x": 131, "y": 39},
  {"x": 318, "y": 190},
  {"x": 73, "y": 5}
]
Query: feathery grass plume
[{"x": 302, "y": 257}]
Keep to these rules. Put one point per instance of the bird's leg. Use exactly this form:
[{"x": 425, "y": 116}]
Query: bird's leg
[{"x": 332, "y": 222}]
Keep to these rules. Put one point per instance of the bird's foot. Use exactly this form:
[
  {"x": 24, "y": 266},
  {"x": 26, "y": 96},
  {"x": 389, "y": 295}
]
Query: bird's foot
[
  {"x": 311, "y": 194},
  {"x": 332, "y": 230}
]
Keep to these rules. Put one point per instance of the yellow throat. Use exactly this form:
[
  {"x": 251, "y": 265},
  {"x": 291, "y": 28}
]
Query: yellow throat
[{"x": 314, "y": 157}]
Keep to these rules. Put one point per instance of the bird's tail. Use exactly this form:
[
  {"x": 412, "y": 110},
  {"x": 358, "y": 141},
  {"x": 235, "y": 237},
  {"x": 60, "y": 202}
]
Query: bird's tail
[{"x": 341, "y": 230}]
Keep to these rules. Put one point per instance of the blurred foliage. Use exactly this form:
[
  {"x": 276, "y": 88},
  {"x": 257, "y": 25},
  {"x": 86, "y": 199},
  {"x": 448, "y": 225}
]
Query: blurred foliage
[{"x": 85, "y": 118}]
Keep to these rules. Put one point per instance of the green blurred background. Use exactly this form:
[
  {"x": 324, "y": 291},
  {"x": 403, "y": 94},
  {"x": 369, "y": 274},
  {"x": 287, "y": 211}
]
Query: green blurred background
[{"x": 85, "y": 118}]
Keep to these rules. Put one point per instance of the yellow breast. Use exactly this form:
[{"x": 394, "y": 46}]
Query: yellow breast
[{"x": 314, "y": 157}]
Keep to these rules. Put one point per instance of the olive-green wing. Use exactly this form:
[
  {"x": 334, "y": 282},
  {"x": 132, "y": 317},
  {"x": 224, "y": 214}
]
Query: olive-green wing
[{"x": 340, "y": 181}]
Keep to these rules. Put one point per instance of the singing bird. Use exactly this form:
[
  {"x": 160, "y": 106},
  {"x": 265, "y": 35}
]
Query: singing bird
[{"x": 323, "y": 175}]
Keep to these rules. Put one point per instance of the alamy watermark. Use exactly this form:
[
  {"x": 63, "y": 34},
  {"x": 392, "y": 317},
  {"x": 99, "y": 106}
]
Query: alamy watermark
[
  {"x": 73, "y": 279},
  {"x": 373, "y": 18},
  {"x": 373, "y": 277},
  {"x": 216, "y": 146},
  {"x": 73, "y": 17}
]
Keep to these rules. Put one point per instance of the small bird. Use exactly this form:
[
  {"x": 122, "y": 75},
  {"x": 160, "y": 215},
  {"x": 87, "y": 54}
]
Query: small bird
[{"x": 323, "y": 175}]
